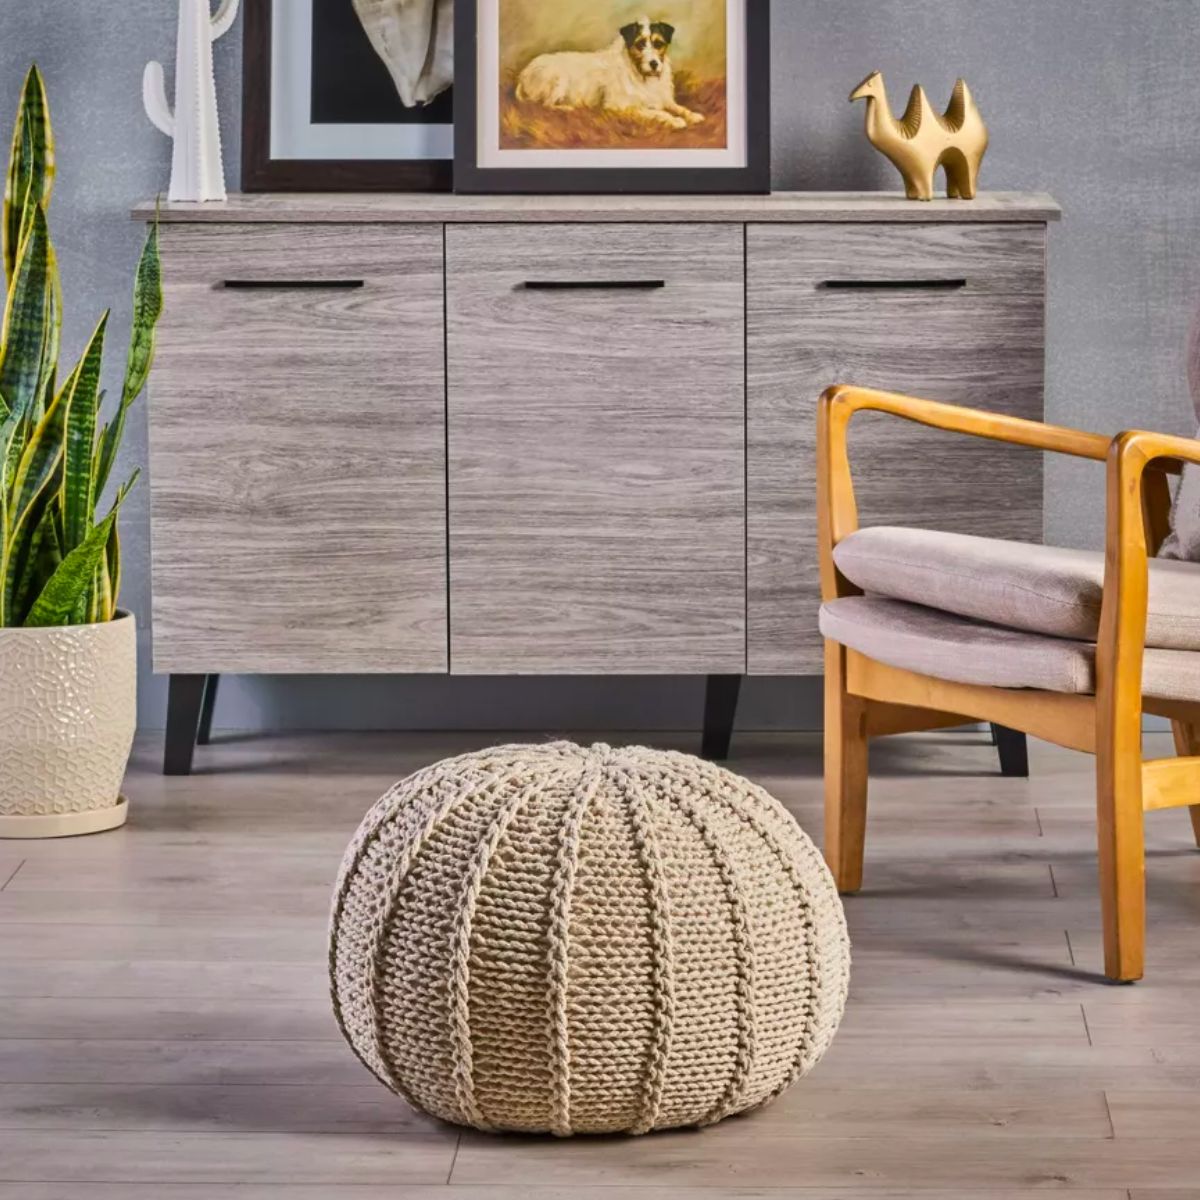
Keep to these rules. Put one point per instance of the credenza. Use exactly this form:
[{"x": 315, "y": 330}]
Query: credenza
[{"x": 569, "y": 435}]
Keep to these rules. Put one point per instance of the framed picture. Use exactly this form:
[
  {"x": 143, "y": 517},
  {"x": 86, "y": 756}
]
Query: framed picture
[
  {"x": 597, "y": 96},
  {"x": 348, "y": 95}
]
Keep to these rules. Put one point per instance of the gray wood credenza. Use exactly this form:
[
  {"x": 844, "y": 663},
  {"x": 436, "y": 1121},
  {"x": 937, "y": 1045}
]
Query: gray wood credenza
[{"x": 501, "y": 435}]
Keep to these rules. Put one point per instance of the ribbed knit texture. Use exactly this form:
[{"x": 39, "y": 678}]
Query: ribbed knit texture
[{"x": 558, "y": 939}]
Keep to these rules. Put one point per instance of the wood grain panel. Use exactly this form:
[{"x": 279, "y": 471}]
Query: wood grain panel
[
  {"x": 297, "y": 452},
  {"x": 423, "y": 207},
  {"x": 969, "y": 329},
  {"x": 597, "y": 451}
]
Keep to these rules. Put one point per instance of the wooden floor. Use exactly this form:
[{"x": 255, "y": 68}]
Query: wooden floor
[{"x": 165, "y": 1033}]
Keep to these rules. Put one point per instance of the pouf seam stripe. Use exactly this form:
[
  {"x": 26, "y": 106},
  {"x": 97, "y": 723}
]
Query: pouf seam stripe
[
  {"x": 743, "y": 946},
  {"x": 377, "y": 940},
  {"x": 663, "y": 1032},
  {"x": 460, "y": 960},
  {"x": 807, "y": 899},
  {"x": 561, "y": 892}
]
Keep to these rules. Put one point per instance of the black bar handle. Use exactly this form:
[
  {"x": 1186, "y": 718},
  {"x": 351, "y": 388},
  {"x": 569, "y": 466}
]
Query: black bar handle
[
  {"x": 894, "y": 285},
  {"x": 580, "y": 285},
  {"x": 313, "y": 285}
]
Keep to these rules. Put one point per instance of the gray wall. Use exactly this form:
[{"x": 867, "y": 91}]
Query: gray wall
[{"x": 1091, "y": 100}]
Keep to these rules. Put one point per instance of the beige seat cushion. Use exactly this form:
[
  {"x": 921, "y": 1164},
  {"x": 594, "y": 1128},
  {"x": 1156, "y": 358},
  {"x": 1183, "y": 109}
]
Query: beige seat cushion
[
  {"x": 945, "y": 646},
  {"x": 1041, "y": 589}
]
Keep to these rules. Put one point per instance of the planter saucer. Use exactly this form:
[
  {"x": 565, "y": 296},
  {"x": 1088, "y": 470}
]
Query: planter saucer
[{"x": 53, "y": 825}]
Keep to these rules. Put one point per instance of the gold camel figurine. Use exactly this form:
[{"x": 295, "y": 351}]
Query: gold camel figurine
[{"x": 922, "y": 140}]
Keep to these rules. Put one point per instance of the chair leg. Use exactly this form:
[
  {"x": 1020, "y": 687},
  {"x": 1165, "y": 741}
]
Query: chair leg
[
  {"x": 1121, "y": 830},
  {"x": 845, "y": 775},
  {"x": 1187, "y": 744}
]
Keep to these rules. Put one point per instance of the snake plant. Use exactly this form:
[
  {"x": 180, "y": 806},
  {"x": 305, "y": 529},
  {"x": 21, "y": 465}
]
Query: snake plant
[{"x": 60, "y": 564}]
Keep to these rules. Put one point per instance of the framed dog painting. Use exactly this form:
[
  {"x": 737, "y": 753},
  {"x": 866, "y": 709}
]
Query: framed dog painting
[
  {"x": 348, "y": 95},
  {"x": 638, "y": 96}
]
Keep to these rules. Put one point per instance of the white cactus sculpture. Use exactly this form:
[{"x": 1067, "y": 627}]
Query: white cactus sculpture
[{"x": 196, "y": 169}]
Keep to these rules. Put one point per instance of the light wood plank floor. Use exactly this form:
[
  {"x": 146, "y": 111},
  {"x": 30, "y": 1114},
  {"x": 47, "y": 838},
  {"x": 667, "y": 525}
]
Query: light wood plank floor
[{"x": 165, "y": 1033}]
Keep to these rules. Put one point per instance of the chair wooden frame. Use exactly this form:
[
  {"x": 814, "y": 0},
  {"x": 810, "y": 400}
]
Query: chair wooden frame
[{"x": 865, "y": 698}]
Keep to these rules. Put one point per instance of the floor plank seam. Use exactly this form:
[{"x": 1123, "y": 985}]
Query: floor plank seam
[
  {"x": 1053, "y": 881},
  {"x": 1112, "y": 1127},
  {"x": 453, "y": 1159},
  {"x": 1038, "y": 817},
  {"x": 1087, "y": 1030},
  {"x": 1070, "y": 948},
  {"x": 13, "y": 876}
]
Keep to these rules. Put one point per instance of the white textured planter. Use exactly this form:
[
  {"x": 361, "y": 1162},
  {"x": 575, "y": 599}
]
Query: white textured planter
[{"x": 68, "y": 710}]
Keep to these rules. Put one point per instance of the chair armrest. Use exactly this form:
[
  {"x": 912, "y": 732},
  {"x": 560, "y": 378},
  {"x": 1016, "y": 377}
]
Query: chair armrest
[
  {"x": 1134, "y": 461},
  {"x": 844, "y": 402},
  {"x": 837, "y": 513}
]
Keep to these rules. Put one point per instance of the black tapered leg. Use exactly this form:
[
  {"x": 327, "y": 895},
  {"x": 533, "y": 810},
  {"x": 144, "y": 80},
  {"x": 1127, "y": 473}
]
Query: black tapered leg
[
  {"x": 204, "y": 733},
  {"x": 1014, "y": 752},
  {"x": 185, "y": 698},
  {"x": 720, "y": 708}
]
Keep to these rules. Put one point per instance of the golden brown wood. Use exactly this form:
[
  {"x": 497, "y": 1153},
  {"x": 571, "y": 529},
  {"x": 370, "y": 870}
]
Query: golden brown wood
[
  {"x": 1067, "y": 721},
  {"x": 843, "y": 402},
  {"x": 1170, "y": 782},
  {"x": 885, "y": 719},
  {"x": 1156, "y": 508},
  {"x": 1110, "y": 724},
  {"x": 845, "y": 774},
  {"x": 1187, "y": 742}
]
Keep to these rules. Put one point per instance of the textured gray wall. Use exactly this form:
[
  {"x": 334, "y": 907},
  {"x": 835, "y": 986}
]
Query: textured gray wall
[{"x": 1091, "y": 100}]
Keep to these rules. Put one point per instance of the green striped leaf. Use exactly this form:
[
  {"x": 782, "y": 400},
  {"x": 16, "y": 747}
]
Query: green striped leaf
[
  {"x": 51, "y": 338},
  {"x": 27, "y": 312},
  {"x": 41, "y": 556},
  {"x": 78, "y": 496},
  {"x": 30, "y": 168},
  {"x": 112, "y": 565},
  {"x": 147, "y": 308},
  {"x": 35, "y": 481},
  {"x": 65, "y": 595}
]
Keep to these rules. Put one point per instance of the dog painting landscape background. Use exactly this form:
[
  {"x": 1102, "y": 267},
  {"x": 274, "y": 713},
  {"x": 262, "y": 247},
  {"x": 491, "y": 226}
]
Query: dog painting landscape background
[{"x": 616, "y": 75}]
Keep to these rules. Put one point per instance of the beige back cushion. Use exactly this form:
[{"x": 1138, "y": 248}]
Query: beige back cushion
[{"x": 1183, "y": 542}]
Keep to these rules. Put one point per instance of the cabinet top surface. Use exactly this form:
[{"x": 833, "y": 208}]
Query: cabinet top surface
[{"x": 409, "y": 207}]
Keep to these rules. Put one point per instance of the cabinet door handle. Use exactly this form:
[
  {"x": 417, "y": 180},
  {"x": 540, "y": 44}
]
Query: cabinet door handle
[
  {"x": 892, "y": 285},
  {"x": 581, "y": 285},
  {"x": 313, "y": 285}
]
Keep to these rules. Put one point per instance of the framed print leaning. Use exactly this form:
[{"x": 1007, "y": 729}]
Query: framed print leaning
[
  {"x": 607, "y": 96},
  {"x": 348, "y": 95}
]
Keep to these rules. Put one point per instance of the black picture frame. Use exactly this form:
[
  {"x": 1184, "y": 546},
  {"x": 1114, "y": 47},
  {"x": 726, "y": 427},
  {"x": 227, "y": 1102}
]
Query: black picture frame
[
  {"x": 262, "y": 173},
  {"x": 754, "y": 177}
]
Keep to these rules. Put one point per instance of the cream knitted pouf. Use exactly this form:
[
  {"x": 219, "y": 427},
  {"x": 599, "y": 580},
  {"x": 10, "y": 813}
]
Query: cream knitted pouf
[{"x": 552, "y": 938}]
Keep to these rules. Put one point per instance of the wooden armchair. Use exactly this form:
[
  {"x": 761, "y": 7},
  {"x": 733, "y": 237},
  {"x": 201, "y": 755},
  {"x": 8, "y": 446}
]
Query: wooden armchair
[{"x": 1051, "y": 642}]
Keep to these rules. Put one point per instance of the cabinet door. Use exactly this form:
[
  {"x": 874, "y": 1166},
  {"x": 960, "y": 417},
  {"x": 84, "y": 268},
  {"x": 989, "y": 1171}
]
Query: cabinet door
[
  {"x": 597, "y": 449},
  {"x": 297, "y": 433},
  {"x": 947, "y": 312}
]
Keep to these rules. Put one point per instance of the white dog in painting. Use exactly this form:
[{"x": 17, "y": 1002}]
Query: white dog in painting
[{"x": 632, "y": 75}]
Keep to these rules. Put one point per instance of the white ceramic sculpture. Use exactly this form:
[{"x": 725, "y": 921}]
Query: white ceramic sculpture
[
  {"x": 415, "y": 38},
  {"x": 196, "y": 169}
]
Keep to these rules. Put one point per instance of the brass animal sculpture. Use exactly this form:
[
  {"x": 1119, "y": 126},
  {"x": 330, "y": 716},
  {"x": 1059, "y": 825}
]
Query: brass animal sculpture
[{"x": 922, "y": 140}]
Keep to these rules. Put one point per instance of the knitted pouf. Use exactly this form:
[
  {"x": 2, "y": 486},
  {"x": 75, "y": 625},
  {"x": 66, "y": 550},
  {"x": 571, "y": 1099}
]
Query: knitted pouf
[{"x": 551, "y": 938}]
